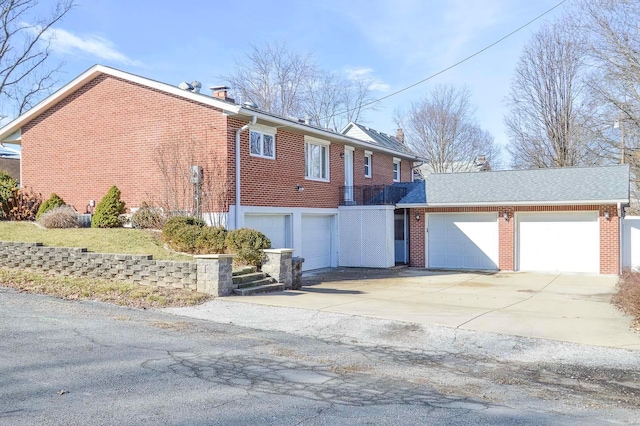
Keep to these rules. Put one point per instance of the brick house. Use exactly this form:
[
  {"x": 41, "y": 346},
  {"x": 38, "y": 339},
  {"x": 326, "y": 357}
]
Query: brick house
[
  {"x": 565, "y": 219},
  {"x": 108, "y": 127}
]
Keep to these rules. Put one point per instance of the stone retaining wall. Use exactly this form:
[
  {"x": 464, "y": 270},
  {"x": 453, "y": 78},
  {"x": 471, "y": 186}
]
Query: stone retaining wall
[{"x": 80, "y": 263}]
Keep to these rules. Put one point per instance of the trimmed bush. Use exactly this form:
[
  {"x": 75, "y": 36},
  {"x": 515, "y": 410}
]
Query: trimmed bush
[
  {"x": 181, "y": 233},
  {"x": 211, "y": 240},
  {"x": 247, "y": 244},
  {"x": 148, "y": 217},
  {"x": 53, "y": 202},
  {"x": 61, "y": 217},
  {"x": 108, "y": 210},
  {"x": 7, "y": 185}
]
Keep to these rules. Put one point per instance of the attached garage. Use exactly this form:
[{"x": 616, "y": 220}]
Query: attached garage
[
  {"x": 462, "y": 241},
  {"x": 556, "y": 219},
  {"x": 563, "y": 241},
  {"x": 277, "y": 227},
  {"x": 317, "y": 241}
]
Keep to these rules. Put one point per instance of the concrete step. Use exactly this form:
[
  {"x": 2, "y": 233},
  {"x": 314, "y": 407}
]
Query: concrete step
[
  {"x": 244, "y": 270},
  {"x": 259, "y": 289},
  {"x": 264, "y": 281},
  {"x": 253, "y": 276}
]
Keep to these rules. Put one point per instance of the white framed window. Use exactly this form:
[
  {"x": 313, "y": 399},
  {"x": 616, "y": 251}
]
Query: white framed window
[
  {"x": 396, "y": 169},
  {"x": 316, "y": 159},
  {"x": 367, "y": 164},
  {"x": 262, "y": 144}
]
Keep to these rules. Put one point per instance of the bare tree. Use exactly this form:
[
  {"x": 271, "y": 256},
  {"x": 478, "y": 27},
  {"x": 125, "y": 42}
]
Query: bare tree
[
  {"x": 331, "y": 102},
  {"x": 293, "y": 85},
  {"x": 173, "y": 159},
  {"x": 441, "y": 128},
  {"x": 611, "y": 30},
  {"x": 25, "y": 51},
  {"x": 549, "y": 117},
  {"x": 273, "y": 77}
]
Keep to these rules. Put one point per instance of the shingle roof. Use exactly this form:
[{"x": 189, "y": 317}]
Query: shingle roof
[
  {"x": 379, "y": 138},
  {"x": 537, "y": 186}
]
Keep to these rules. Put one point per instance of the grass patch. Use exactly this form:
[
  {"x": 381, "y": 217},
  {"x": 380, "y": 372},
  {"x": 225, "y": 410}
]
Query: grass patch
[
  {"x": 117, "y": 240},
  {"x": 627, "y": 298},
  {"x": 119, "y": 293}
]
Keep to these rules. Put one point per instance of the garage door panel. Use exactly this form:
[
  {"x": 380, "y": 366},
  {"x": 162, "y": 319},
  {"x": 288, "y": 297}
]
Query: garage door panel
[
  {"x": 274, "y": 226},
  {"x": 563, "y": 242},
  {"x": 316, "y": 241},
  {"x": 463, "y": 241}
]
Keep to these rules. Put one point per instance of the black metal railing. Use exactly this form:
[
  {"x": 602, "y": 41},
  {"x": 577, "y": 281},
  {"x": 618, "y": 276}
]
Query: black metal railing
[{"x": 371, "y": 195}]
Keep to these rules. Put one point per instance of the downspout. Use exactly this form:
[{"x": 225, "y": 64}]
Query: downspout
[{"x": 240, "y": 130}]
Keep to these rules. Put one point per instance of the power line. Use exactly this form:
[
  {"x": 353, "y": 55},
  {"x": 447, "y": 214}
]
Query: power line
[{"x": 454, "y": 65}]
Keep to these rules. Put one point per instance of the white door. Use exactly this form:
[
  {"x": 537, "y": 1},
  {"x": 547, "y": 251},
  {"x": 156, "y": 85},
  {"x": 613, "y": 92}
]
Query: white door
[
  {"x": 348, "y": 173},
  {"x": 566, "y": 242},
  {"x": 275, "y": 226},
  {"x": 316, "y": 241},
  {"x": 463, "y": 241}
]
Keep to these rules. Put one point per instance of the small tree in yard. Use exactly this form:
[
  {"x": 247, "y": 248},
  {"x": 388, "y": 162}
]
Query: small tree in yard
[
  {"x": 53, "y": 202},
  {"x": 7, "y": 185},
  {"x": 108, "y": 210}
]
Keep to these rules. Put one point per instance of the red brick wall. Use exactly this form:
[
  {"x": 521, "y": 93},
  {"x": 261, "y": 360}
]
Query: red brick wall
[
  {"x": 108, "y": 133},
  {"x": 417, "y": 249},
  {"x": 272, "y": 183},
  {"x": 609, "y": 241},
  {"x": 609, "y": 233}
]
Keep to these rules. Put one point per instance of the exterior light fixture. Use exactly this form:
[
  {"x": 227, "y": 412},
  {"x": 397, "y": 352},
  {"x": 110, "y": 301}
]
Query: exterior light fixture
[
  {"x": 606, "y": 215},
  {"x": 342, "y": 155},
  {"x": 299, "y": 188},
  {"x": 417, "y": 216},
  {"x": 505, "y": 215}
]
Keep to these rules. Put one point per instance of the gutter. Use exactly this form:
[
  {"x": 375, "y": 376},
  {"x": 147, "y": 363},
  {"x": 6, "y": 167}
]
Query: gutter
[
  {"x": 240, "y": 130},
  {"x": 512, "y": 203}
]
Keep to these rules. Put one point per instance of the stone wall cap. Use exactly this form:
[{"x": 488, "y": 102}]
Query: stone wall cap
[
  {"x": 282, "y": 250},
  {"x": 213, "y": 256}
]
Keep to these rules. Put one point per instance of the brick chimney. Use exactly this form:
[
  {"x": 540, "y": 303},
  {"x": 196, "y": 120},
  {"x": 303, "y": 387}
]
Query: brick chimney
[
  {"x": 400, "y": 135},
  {"x": 220, "y": 92}
]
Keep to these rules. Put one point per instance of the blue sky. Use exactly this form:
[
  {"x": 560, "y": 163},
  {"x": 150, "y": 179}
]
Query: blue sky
[{"x": 395, "y": 42}]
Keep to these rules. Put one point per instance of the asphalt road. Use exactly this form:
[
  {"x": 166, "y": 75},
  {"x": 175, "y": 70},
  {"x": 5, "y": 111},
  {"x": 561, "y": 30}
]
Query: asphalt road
[{"x": 67, "y": 363}]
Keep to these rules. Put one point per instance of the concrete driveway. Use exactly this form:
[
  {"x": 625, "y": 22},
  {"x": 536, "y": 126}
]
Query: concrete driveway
[{"x": 566, "y": 307}]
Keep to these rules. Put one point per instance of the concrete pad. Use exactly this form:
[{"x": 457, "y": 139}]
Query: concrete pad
[{"x": 567, "y": 307}]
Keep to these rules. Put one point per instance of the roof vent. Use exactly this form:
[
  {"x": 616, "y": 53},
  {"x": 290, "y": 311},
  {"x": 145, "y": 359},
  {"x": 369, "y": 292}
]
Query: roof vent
[
  {"x": 194, "y": 86},
  {"x": 250, "y": 104}
]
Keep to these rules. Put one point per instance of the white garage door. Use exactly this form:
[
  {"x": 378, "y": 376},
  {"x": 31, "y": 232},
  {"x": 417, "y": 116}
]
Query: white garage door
[
  {"x": 463, "y": 241},
  {"x": 275, "y": 226},
  {"x": 316, "y": 241},
  {"x": 566, "y": 242}
]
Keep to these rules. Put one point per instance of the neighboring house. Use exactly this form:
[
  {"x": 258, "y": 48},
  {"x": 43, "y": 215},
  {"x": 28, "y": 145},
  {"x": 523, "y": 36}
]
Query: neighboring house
[
  {"x": 480, "y": 164},
  {"x": 10, "y": 162},
  {"x": 564, "y": 219},
  {"x": 108, "y": 127}
]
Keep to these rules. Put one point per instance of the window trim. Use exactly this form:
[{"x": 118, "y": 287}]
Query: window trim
[
  {"x": 262, "y": 132},
  {"x": 309, "y": 140},
  {"x": 368, "y": 155},
  {"x": 397, "y": 161}
]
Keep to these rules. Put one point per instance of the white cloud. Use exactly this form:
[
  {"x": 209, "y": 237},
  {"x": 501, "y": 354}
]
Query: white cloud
[
  {"x": 376, "y": 85},
  {"x": 66, "y": 43}
]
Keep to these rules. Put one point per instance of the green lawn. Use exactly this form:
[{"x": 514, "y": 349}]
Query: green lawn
[{"x": 119, "y": 240}]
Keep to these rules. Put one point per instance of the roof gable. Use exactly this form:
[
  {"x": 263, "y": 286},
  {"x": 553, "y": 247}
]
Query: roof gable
[
  {"x": 13, "y": 128},
  {"x": 375, "y": 137}
]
